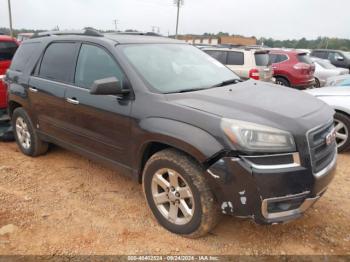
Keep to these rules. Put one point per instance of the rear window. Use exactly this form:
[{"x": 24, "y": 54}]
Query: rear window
[
  {"x": 235, "y": 58},
  {"x": 7, "y": 50},
  {"x": 304, "y": 58},
  {"x": 221, "y": 56},
  {"x": 262, "y": 59},
  {"x": 58, "y": 63},
  {"x": 23, "y": 55},
  {"x": 277, "y": 58}
]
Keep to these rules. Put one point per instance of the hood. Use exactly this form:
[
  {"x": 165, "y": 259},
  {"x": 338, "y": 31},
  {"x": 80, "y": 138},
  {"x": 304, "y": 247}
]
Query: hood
[
  {"x": 253, "y": 101},
  {"x": 330, "y": 91}
]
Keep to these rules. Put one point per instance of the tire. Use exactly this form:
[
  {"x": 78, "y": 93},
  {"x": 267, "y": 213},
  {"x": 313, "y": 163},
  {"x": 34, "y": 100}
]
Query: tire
[
  {"x": 26, "y": 137},
  {"x": 342, "y": 126},
  {"x": 201, "y": 208},
  {"x": 317, "y": 83},
  {"x": 282, "y": 81}
]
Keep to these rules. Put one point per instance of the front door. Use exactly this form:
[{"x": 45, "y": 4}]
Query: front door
[{"x": 99, "y": 124}]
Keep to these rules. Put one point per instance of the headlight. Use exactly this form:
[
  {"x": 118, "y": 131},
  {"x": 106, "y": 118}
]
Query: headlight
[{"x": 257, "y": 138}]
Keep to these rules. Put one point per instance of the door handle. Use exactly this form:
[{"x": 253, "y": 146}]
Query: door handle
[
  {"x": 34, "y": 90},
  {"x": 72, "y": 101}
]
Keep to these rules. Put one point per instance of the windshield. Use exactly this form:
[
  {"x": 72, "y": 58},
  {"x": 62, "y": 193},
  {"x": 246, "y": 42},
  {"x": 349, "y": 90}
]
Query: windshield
[
  {"x": 325, "y": 64},
  {"x": 7, "y": 50},
  {"x": 170, "y": 68}
]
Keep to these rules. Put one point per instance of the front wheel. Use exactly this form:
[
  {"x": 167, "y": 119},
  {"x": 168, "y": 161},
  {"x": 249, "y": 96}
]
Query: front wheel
[
  {"x": 178, "y": 195},
  {"x": 342, "y": 127}
]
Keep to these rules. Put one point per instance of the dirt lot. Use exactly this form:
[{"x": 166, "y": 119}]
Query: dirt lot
[{"x": 62, "y": 203}]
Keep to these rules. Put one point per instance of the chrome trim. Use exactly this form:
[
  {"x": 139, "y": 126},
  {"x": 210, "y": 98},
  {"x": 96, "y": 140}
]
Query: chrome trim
[
  {"x": 33, "y": 90},
  {"x": 296, "y": 162},
  {"x": 308, "y": 202},
  {"x": 318, "y": 175},
  {"x": 327, "y": 168},
  {"x": 72, "y": 101}
]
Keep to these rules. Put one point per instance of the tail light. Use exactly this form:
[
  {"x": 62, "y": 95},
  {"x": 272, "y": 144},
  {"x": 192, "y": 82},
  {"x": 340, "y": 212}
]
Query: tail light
[
  {"x": 254, "y": 74},
  {"x": 303, "y": 68}
]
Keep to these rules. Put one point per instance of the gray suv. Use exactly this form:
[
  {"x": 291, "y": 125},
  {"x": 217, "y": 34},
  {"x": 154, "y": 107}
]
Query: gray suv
[{"x": 337, "y": 57}]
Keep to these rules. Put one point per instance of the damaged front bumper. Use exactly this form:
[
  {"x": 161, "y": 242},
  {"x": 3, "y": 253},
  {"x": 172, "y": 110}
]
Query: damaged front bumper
[{"x": 269, "y": 189}]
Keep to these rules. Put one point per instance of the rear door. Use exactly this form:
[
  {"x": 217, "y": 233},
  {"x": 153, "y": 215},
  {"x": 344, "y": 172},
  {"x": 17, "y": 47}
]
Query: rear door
[
  {"x": 98, "y": 124},
  {"x": 263, "y": 64},
  {"x": 48, "y": 85}
]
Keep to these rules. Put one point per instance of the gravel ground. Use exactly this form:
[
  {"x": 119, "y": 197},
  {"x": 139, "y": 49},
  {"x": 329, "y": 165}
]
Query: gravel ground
[{"x": 62, "y": 203}]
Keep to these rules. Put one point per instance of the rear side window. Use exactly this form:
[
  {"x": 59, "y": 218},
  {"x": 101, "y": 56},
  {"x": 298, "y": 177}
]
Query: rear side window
[
  {"x": 319, "y": 54},
  {"x": 95, "y": 63},
  {"x": 278, "y": 58},
  {"x": 304, "y": 58},
  {"x": 221, "y": 56},
  {"x": 59, "y": 62},
  {"x": 23, "y": 55},
  {"x": 262, "y": 59},
  {"x": 235, "y": 58},
  {"x": 7, "y": 50}
]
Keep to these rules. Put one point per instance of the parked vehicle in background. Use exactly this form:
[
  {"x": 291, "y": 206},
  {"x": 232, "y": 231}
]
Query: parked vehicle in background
[
  {"x": 337, "y": 57},
  {"x": 8, "y": 47},
  {"x": 339, "y": 99},
  {"x": 246, "y": 63},
  {"x": 325, "y": 70},
  {"x": 24, "y": 36},
  {"x": 292, "y": 68},
  {"x": 199, "y": 139},
  {"x": 336, "y": 80}
]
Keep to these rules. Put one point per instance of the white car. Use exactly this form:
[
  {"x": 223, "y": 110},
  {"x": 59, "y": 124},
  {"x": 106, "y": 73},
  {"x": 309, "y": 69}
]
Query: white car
[
  {"x": 339, "y": 99},
  {"x": 325, "y": 70}
]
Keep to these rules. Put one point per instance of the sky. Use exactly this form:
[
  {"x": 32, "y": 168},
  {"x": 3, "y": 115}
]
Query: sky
[{"x": 279, "y": 19}]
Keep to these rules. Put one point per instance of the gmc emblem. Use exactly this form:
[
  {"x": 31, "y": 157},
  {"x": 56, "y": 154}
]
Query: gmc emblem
[{"x": 330, "y": 138}]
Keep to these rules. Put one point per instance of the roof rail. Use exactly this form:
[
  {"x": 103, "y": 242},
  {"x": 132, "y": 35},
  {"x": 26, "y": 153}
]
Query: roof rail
[
  {"x": 86, "y": 32},
  {"x": 136, "y": 33}
]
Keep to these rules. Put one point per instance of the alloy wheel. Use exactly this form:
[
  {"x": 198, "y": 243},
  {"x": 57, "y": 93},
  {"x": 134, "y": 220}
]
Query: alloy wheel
[
  {"x": 342, "y": 132},
  {"x": 173, "y": 196},
  {"x": 23, "y": 135}
]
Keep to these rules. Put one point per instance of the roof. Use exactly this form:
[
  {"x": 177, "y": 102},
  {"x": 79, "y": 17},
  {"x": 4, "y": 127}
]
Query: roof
[
  {"x": 284, "y": 51},
  {"x": 120, "y": 38}
]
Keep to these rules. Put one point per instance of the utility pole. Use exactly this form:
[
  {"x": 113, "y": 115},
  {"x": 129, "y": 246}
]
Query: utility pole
[
  {"x": 115, "y": 21},
  {"x": 10, "y": 17},
  {"x": 178, "y": 3}
]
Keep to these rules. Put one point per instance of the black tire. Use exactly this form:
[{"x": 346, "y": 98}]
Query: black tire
[
  {"x": 282, "y": 81},
  {"x": 339, "y": 117},
  {"x": 37, "y": 146},
  {"x": 205, "y": 210},
  {"x": 317, "y": 83}
]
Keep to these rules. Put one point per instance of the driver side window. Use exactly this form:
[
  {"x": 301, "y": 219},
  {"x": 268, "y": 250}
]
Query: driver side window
[{"x": 95, "y": 63}]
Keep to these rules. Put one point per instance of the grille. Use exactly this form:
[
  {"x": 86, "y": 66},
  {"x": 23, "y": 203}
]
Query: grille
[{"x": 321, "y": 153}]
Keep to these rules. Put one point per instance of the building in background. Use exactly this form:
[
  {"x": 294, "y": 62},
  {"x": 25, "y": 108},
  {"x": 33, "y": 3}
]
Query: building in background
[{"x": 218, "y": 40}]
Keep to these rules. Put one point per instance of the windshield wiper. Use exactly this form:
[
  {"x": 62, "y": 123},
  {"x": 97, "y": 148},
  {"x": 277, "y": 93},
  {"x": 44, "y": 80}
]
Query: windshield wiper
[
  {"x": 228, "y": 82},
  {"x": 186, "y": 90}
]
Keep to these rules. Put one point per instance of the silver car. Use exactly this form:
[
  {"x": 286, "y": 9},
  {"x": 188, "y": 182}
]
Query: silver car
[
  {"x": 325, "y": 70},
  {"x": 336, "y": 80},
  {"x": 339, "y": 99}
]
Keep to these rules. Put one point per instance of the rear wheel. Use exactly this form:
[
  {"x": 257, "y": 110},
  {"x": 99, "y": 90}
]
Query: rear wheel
[
  {"x": 282, "y": 81},
  {"x": 178, "y": 195},
  {"x": 26, "y": 137},
  {"x": 317, "y": 83},
  {"x": 342, "y": 127}
]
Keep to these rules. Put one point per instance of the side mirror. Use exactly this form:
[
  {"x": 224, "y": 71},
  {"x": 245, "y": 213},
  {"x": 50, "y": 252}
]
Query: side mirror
[
  {"x": 107, "y": 86},
  {"x": 339, "y": 58}
]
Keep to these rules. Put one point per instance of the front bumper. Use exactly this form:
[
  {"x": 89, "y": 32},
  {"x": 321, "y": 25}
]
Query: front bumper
[{"x": 273, "y": 193}]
